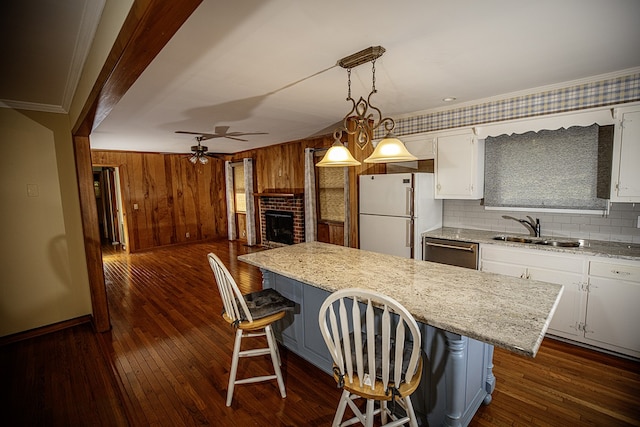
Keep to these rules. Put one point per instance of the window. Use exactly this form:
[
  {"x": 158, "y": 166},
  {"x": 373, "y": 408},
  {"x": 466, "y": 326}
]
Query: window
[
  {"x": 330, "y": 194},
  {"x": 548, "y": 169}
]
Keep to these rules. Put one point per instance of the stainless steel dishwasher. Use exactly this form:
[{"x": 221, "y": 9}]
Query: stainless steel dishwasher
[{"x": 452, "y": 252}]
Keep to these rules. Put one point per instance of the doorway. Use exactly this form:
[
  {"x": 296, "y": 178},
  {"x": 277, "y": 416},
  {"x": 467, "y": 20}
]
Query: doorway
[{"x": 113, "y": 230}]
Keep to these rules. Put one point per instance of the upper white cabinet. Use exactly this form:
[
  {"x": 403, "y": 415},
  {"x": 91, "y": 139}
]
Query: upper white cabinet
[
  {"x": 459, "y": 166},
  {"x": 421, "y": 145},
  {"x": 625, "y": 179}
]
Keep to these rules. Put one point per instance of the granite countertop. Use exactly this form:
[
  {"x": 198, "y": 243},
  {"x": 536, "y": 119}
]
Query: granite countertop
[
  {"x": 619, "y": 250},
  {"x": 508, "y": 312}
]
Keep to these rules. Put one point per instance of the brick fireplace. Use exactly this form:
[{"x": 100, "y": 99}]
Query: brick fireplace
[{"x": 279, "y": 204}]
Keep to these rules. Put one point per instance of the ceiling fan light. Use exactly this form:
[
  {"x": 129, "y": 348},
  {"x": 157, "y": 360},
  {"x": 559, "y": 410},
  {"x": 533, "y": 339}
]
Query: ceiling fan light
[
  {"x": 338, "y": 156},
  {"x": 193, "y": 159},
  {"x": 390, "y": 150},
  {"x": 203, "y": 160}
]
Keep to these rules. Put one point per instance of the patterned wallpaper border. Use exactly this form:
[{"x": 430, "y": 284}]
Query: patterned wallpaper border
[{"x": 589, "y": 95}]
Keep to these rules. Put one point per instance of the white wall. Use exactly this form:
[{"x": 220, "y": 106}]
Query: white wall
[
  {"x": 618, "y": 226},
  {"x": 43, "y": 268}
]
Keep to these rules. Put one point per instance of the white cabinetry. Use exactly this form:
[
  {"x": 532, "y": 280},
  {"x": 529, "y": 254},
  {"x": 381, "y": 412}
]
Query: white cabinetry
[
  {"x": 599, "y": 304},
  {"x": 421, "y": 145},
  {"x": 612, "y": 313},
  {"x": 562, "y": 269},
  {"x": 459, "y": 166},
  {"x": 625, "y": 179}
]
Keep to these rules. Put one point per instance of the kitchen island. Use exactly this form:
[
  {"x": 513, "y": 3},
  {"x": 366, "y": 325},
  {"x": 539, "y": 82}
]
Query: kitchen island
[{"x": 462, "y": 314}]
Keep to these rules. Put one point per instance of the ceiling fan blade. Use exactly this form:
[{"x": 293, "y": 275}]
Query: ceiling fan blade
[
  {"x": 221, "y": 130},
  {"x": 234, "y": 138},
  {"x": 246, "y": 133},
  {"x": 217, "y": 155},
  {"x": 203, "y": 136}
]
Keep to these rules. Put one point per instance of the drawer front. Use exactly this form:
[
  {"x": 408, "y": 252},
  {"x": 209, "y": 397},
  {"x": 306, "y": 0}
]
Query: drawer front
[
  {"x": 534, "y": 258},
  {"x": 626, "y": 272}
]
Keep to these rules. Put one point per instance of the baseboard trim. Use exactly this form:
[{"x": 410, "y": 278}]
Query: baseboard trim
[{"x": 43, "y": 330}]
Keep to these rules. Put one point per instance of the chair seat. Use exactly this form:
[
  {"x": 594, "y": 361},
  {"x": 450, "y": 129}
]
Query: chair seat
[
  {"x": 256, "y": 324},
  {"x": 378, "y": 393}
]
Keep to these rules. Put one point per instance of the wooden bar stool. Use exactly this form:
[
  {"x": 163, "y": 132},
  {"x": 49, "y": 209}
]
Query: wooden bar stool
[
  {"x": 252, "y": 316},
  {"x": 371, "y": 359}
]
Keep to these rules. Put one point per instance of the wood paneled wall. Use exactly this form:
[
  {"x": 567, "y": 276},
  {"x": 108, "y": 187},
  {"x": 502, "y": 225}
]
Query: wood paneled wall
[
  {"x": 281, "y": 166},
  {"x": 173, "y": 197}
]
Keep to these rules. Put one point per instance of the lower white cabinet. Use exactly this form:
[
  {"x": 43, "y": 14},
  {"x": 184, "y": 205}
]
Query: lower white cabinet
[
  {"x": 567, "y": 270},
  {"x": 598, "y": 306},
  {"x": 613, "y": 316}
]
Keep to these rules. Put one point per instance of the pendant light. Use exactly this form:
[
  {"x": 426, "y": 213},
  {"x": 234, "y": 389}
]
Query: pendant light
[{"x": 390, "y": 149}]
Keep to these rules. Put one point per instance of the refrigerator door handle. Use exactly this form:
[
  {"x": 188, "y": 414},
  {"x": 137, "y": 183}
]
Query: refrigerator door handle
[
  {"x": 409, "y": 201},
  {"x": 409, "y": 235}
]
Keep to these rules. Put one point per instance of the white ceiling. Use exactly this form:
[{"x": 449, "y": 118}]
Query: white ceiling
[{"x": 269, "y": 66}]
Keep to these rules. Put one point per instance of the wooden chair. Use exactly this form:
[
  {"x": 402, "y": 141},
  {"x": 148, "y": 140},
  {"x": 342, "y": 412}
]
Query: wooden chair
[
  {"x": 372, "y": 359},
  {"x": 252, "y": 316}
]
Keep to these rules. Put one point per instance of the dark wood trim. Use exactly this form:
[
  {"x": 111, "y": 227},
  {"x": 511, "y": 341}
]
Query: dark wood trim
[
  {"x": 91, "y": 233},
  {"x": 43, "y": 330},
  {"x": 148, "y": 27}
]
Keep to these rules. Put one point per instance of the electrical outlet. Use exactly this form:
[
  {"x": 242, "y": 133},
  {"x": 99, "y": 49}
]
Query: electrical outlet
[{"x": 187, "y": 235}]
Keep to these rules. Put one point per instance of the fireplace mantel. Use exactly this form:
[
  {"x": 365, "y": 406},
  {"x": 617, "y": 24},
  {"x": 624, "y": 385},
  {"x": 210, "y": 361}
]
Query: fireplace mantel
[{"x": 282, "y": 192}]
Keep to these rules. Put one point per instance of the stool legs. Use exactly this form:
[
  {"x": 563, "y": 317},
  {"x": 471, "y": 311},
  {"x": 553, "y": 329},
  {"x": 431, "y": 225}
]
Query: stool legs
[
  {"x": 234, "y": 366},
  {"x": 275, "y": 359},
  {"x": 271, "y": 350}
]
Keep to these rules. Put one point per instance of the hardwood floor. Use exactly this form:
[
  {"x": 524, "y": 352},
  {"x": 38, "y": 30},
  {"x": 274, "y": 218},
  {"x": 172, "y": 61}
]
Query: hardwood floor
[
  {"x": 59, "y": 379},
  {"x": 171, "y": 352}
]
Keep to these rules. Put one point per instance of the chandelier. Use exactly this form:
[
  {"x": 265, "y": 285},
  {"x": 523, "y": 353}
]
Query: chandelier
[{"x": 362, "y": 120}]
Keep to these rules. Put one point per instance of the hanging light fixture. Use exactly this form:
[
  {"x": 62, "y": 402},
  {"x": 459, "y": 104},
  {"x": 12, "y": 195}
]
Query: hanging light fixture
[
  {"x": 390, "y": 148},
  {"x": 199, "y": 152}
]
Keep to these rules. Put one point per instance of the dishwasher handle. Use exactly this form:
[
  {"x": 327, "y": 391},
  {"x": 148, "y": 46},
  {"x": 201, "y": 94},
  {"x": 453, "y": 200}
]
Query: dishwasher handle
[{"x": 460, "y": 248}]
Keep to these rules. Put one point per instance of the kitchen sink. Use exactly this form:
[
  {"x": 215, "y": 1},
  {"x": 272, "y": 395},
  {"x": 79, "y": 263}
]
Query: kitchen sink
[
  {"x": 562, "y": 243},
  {"x": 537, "y": 241},
  {"x": 513, "y": 239}
]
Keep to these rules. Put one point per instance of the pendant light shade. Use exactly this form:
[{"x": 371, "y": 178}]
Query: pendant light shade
[
  {"x": 338, "y": 156},
  {"x": 390, "y": 149}
]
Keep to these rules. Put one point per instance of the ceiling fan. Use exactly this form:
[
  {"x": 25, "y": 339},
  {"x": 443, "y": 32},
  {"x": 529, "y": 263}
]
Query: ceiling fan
[
  {"x": 222, "y": 132},
  {"x": 200, "y": 152}
]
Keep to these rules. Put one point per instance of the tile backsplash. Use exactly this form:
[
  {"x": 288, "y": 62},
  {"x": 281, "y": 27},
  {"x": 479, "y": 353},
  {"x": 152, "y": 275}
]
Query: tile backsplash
[{"x": 618, "y": 226}]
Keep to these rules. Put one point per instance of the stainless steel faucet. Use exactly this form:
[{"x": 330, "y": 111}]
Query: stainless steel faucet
[{"x": 530, "y": 224}]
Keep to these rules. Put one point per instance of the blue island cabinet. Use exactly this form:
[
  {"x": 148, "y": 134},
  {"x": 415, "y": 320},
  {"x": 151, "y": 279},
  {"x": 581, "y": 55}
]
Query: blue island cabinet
[{"x": 457, "y": 375}]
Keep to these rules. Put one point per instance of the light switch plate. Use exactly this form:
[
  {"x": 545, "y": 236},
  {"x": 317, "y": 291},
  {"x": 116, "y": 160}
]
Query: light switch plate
[
  {"x": 638, "y": 224},
  {"x": 32, "y": 190}
]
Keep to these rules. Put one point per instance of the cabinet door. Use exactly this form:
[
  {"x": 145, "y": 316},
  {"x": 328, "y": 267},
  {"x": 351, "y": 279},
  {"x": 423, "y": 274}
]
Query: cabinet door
[
  {"x": 545, "y": 267},
  {"x": 626, "y": 157},
  {"x": 612, "y": 313},
  {"x": 570, "y": 311},
  {"x": 458, "y": 167}
]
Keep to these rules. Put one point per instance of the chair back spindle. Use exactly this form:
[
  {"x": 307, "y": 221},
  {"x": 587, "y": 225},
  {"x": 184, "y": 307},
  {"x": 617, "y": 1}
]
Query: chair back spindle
[{"x": 234, "y": 304}]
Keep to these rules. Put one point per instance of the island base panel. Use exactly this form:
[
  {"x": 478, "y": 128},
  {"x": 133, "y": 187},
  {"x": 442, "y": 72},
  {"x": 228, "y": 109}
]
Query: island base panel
[{"x": 458, "y": 371}]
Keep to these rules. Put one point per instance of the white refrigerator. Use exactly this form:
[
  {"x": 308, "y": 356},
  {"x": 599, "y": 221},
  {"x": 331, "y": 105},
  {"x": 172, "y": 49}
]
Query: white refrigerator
[{"x": 394, "y": 210}]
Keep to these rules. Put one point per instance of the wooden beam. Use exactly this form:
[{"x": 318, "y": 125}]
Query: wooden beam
[
  {"x": 146, "y": 30},
  {"x": 149, "y": 25}
]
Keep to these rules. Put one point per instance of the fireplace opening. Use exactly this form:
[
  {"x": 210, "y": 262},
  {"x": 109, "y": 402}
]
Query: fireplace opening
[{"x": 279, "y": 226}]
